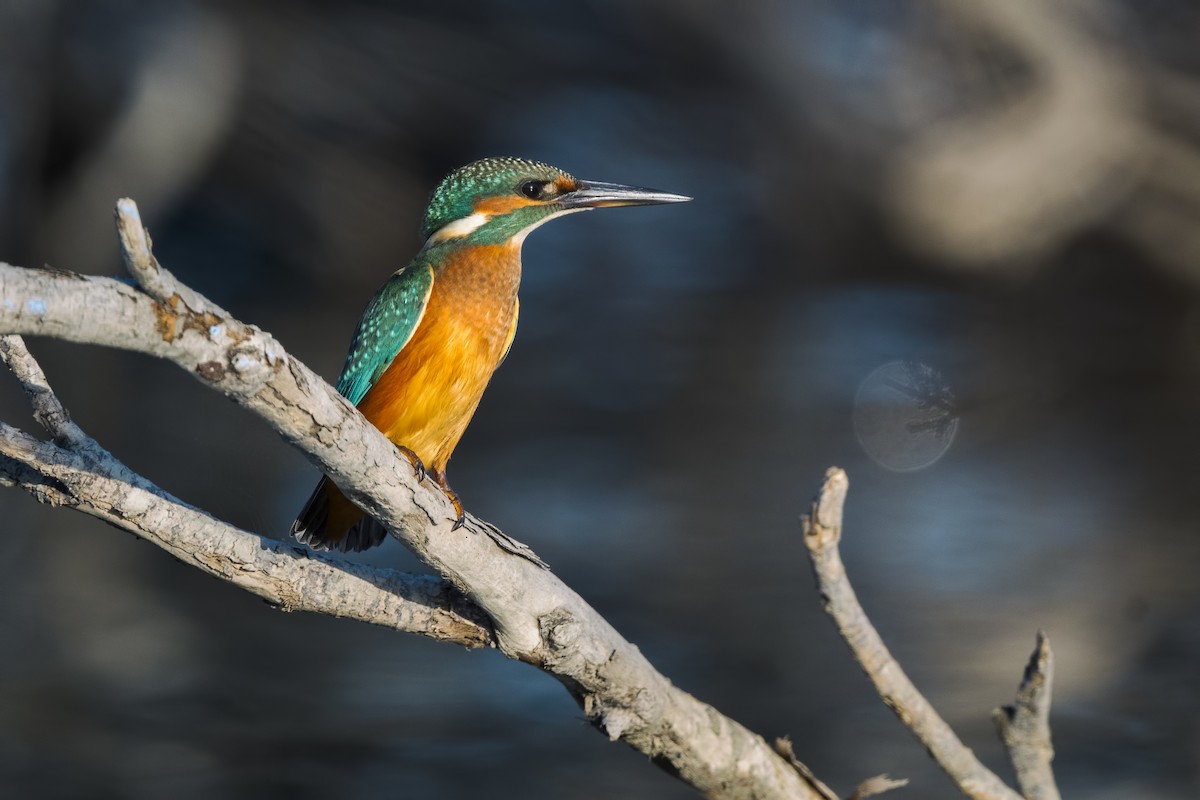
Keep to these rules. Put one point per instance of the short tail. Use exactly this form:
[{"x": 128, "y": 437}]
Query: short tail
[{"x": 331, "y": 522}]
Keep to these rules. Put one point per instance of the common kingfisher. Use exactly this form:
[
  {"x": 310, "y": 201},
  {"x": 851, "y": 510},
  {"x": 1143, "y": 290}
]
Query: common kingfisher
[{"x": 434, "y": 333}]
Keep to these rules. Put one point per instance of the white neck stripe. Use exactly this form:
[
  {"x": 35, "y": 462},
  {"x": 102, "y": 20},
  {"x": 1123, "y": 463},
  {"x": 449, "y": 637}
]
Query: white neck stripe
[
  {"x": 459, "y": 228},
  {"x": 468, "y": 225}
]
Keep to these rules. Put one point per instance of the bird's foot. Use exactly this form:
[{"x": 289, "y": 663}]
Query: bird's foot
[
  {"x": 415, "y": 460},
  {"x": 461, "y": 516},
  {"x": 461, "y": 519}
]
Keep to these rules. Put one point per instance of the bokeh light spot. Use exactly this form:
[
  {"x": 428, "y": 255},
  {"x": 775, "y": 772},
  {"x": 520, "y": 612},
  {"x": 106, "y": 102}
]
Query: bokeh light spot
[{"x": 905, "y": 416}]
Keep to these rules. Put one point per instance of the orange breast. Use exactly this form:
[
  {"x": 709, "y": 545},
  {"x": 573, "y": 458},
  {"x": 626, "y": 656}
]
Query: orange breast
[{"x": 428, "y": 395}]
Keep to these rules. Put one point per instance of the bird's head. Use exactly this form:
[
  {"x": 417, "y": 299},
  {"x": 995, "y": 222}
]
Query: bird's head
[{"x": 497, "y": 200}]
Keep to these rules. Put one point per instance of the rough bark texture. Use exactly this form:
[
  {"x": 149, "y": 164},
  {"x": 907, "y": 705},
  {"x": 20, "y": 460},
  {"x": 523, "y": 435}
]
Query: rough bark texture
[
  {"x": 493, "y": 591},
  {"x": 76, "y": 472},
  {"x": 533, "y": 616},
  {"x": 1025, "y": 726}
]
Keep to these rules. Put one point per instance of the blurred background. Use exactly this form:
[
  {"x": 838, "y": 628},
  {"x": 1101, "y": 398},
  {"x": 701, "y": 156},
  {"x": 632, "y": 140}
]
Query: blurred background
[{"x": 952, "y": 247}]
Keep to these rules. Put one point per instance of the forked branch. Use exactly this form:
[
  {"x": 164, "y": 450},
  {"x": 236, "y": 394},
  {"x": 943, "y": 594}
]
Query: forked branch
[
  {"x": 492, "y": 590},
  {"x": 1024, "y": 729},
  {"x": 76, "y": 472}
]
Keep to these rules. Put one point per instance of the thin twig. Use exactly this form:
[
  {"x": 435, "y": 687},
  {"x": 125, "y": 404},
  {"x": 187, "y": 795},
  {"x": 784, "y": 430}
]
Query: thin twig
[
  {"x": 47, "y": 410},
  {"x": 153, "y": 278},
  {"x": 1025, "y": 726},
  {"x": 783, "y": 746},
  {"x": 822, "y": 533}
]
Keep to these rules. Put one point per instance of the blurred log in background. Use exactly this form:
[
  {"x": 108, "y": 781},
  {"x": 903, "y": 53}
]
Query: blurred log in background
[{"x": 953, "y": 247}]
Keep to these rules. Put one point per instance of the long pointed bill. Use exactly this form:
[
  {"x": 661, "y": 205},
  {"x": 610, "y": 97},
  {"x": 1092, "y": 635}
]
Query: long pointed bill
[{"x": 593, "y": 194}]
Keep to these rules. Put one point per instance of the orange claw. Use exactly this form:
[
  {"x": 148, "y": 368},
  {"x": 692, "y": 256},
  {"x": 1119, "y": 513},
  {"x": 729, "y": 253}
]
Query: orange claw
[{"x": 461, "y": 519}]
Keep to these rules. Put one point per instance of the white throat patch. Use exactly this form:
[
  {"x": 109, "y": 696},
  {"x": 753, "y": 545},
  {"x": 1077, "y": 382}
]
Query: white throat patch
[
  {"x": 459, "y": 228},
  {"x": 467, "y": 225}
]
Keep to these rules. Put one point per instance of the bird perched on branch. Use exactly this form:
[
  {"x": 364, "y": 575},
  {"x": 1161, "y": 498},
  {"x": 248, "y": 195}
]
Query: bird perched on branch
[{"x": 433, "y": 334}]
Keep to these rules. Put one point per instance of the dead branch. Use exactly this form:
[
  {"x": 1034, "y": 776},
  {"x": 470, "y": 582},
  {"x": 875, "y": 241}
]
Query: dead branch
[
  {"x": 77, "y": 473},
  {"x": 822, "y": 533},
  {"x": 530, "y": 614},
  {"x": 1025, "y": 726}
]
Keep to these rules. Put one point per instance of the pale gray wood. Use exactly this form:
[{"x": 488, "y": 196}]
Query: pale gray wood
[
  {"x": 534, "y": 616},
  {"x": 822, "y": 534}
]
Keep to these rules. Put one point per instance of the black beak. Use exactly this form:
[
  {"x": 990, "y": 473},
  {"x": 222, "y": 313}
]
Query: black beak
[{"x": 593, "y": 194}]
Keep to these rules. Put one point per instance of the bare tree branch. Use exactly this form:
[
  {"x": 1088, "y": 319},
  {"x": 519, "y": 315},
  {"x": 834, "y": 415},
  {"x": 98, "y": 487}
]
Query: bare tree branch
[
  {"x": 1025, "y": 726},
  {"x": 49, "y": 413},
  {"x": 84, "y": 476},
  {"x": 149, "y": 274},
  {"x": 534, "y": 616},
  {"x": 822, "y": 533}
]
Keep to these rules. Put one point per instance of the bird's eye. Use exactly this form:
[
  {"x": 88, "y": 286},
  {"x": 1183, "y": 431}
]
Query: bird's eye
[{"x": 536, "y": 190}]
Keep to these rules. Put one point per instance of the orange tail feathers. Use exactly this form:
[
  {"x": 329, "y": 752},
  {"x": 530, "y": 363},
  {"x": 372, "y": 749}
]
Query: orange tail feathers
[{"x": 331, "y": 522}]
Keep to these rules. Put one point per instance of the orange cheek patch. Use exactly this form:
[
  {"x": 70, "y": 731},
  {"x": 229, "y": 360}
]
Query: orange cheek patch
[{"x": 497, "y": 206}]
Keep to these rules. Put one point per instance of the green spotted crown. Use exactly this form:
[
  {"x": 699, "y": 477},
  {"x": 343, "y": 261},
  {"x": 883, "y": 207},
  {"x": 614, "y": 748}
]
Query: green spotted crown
[{"x": 456, "y": 195}]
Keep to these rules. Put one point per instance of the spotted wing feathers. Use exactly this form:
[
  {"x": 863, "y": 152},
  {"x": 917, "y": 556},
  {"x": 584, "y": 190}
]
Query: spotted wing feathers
[{"x": 388, "y": 323}]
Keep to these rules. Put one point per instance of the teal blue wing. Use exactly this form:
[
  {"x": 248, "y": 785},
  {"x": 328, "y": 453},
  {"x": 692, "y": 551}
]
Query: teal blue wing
[{"x": 388, "y": 323}]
